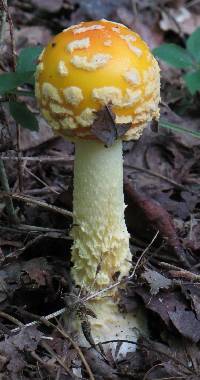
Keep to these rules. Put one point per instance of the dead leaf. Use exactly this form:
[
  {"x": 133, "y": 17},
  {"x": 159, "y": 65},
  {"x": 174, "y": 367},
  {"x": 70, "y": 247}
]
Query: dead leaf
[
  {"x": 50, "y": 6},
  {"x": 30, "y": 140},
  {"x": 13, "y": 346},
  {"x": 156, "y": 360},
  {"x": 186, "y": 323},
  {"x": 156, "y": 281},
  {"x": 154, "y": 217},
  {"x": 192, "y": 293},
  {"x": 37, "y": 270},
  {"x": 193, "y": 241},
  {"x": 173, "y": 19},
  {"x": 32, "y": 35},
  {"x": 95, "y": 9},
  {"x": 105, "y": 128},
  {"x": 98, "y": 366},
  {"x": 27, "y": 339},
  {"x": 160, "y": 304}
]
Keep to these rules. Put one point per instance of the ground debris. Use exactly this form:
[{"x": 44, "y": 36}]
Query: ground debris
[
  {"x": 13, "y": 347},
  {"x": 173, "y": 303},
  {"x": 156, "y": 280},
  {"x": 154, "y": 217},
  {"x": 163, "y": 361},
  {"x": 162, "y": 194}
]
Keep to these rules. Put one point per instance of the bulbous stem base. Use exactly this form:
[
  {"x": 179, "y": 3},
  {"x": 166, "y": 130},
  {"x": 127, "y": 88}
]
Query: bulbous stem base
[{"x": 113, "y": 326}]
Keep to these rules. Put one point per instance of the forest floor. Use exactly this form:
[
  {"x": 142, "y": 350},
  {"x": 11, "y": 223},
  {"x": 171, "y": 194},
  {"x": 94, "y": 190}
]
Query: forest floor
[{"x": 162, "y": 181}]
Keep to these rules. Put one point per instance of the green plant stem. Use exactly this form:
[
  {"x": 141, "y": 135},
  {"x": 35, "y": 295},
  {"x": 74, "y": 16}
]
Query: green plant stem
[{"x": 165, "y": 124}]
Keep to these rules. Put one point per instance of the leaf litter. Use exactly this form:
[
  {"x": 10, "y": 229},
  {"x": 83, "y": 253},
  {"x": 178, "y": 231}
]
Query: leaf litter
[{"x": 161, "y": 190}]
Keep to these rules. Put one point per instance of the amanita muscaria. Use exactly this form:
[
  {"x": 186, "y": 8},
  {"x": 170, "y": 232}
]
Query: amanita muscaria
[{"x": 84, "y": 69}]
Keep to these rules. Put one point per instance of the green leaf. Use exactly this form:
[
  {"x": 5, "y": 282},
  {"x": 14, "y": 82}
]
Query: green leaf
[
  {"x": 10, "y": 81},
  {"x": 23, "y": 116},
  {"x": 192, "y": 81},
  {"x": 27, "y": 59},
  {"x": 176, "y": 128},
  {"x": 174, "y": 55},
  {"x": 193, "y": 44}
]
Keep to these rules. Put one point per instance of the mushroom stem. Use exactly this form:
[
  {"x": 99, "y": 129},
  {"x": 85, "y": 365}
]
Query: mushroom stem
[{"x": 100, "y": 251}]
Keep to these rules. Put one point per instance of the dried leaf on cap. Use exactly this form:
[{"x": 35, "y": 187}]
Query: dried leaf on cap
[{"x": 105, "y": 128}]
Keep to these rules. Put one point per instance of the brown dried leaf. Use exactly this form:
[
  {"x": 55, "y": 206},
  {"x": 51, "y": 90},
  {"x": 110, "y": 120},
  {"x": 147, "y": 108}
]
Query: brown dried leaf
[
  {"x": 186, "y": 323},
  {"x": 105, "y": 128},
  {"x": 152, "y": 214},
  {"x": 13, "y": 348},
  {"x": 179, "y": 18},
  {"x": 193, "y": 240},
  {"x": 160, "y": 304},
  {"x": 38, "y": 270},
  {"x": 98, "y": 366},
  {"x": 156, "y": 360},
  {"x": 27, "y": 339},
  {"x": 50, "y": 6},
  {"x": 156, "y": 281},
  {"x": 192, "y": 293}
]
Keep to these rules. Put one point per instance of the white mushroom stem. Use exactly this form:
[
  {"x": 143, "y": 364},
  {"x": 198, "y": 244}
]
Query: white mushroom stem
[{"x": 100, "y": 252}]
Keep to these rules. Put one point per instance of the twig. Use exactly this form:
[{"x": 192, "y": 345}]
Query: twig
[
  {"x": 28, "y": 228},
  {"x": 5, "y": 186},
  {"x": 19, "y": 162},
  {"x": 33, "y": 201},
  {"x": 162, "y": 264},
  {"x": 53, "y": 354},
  {"x": 77, "y": 348},
  {"x": 16, "y": 253},
  {"x": 93, "y": 295},
  {"x": 47, "y": 323},
  {"x": 142, "y": 255},
  {"x": 180, "y": 273},
  {"x": 11, "y": 319},
  {"x": 14, "y": 63},
  {"x": 41, "y": 181},
  {"x": 35, "y": 323},
  {"x": 192, "y": 3},
  {"x": 39, "y": 159},
  {"x": 3, "y": 175},
  {"x": 139, "y": 344},
  {"x": 44, "y": 191},
  {"x": 39, "y": 360},
  {"x": 158, "y": 175},
  {"x": 44, "y": 344},
  {"x": 185, "y": 275},
  {"x": 2, "y": 23},
  {"x": 11, "y": 28},
  {"x": 123, "y": 280},
  {"x": 43, "y": 232},
  {"x": 46, "y": 319},
  {"x": 165, "y": 10}
]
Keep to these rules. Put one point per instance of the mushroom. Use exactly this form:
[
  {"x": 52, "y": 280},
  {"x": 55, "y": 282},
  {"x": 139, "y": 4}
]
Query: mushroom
[{"x": 86, "y": 72}]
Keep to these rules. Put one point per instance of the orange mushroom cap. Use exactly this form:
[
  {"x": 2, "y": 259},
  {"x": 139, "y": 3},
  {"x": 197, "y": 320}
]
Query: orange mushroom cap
[{"x": 90, "y": 65}]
